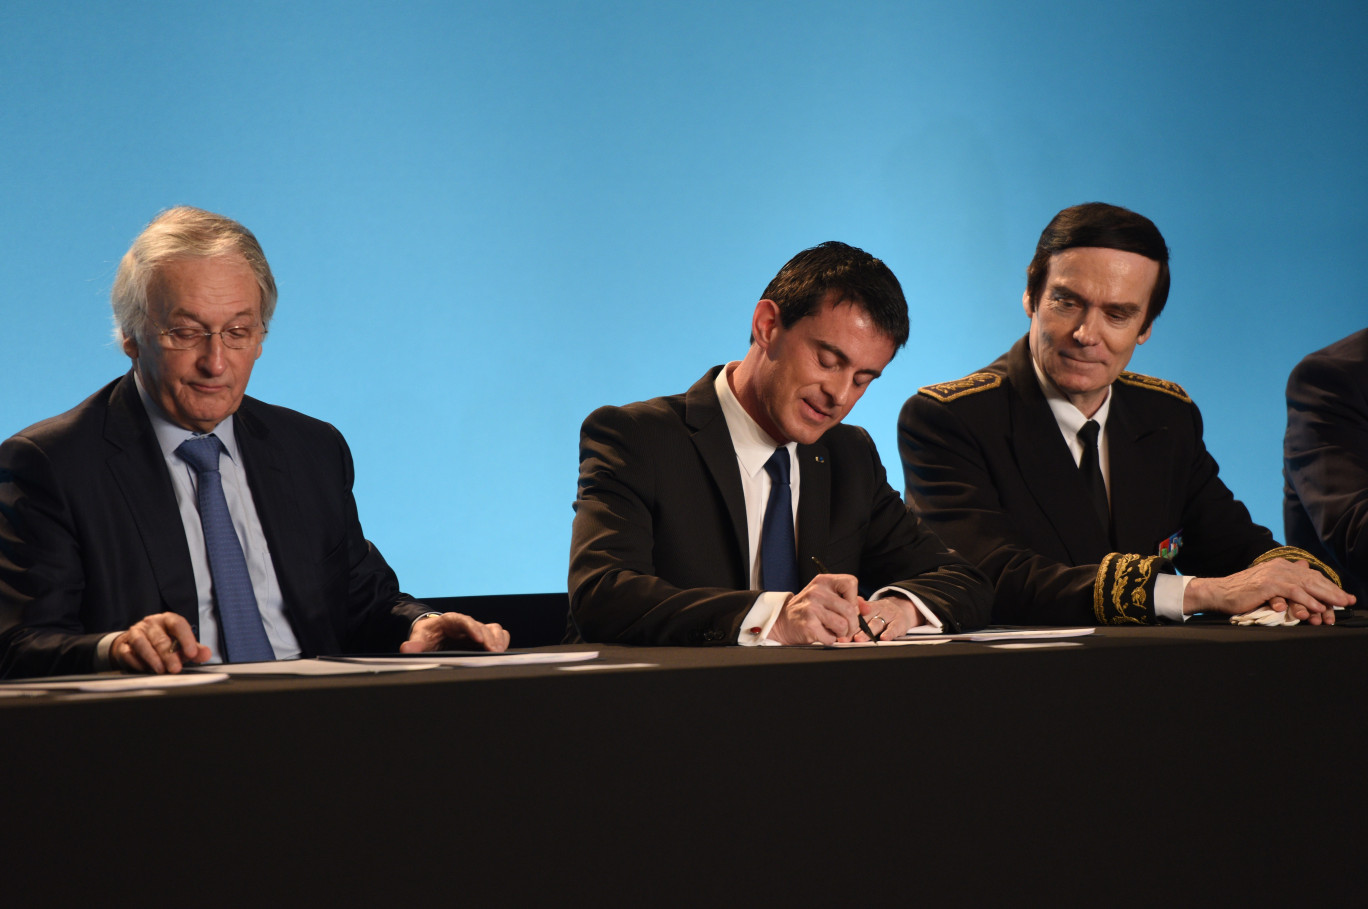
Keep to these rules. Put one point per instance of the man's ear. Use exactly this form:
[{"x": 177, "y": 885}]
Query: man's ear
[
  {"x": 765, "y": 323},
  {"x": 130, "y": 346},
  {"x": 1026, "y": 302}
]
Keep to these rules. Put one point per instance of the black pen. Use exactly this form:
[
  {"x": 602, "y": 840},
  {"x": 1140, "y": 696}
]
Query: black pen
[{"x": 864, "y": 626}]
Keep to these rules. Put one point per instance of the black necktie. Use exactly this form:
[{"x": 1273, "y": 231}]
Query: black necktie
[
  {"x": 1090, "y": 469},
  {"x": 778, "y": 551}
]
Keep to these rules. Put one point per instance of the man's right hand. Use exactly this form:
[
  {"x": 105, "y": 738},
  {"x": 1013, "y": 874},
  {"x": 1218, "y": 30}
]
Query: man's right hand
[
  {"x": 159, "y": 643},
  {"x": 827, "y": 610}
]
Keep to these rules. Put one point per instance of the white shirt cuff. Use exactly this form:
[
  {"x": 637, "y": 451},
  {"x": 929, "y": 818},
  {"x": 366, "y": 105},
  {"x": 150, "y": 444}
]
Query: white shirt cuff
[
  {"x": 102, "y": 661},
  {"x": 755, "y": 627},
  {"x": 426, "y": 615},
  {"x": 1168, "y": 596},
  {"x": 929, "y": 620}
]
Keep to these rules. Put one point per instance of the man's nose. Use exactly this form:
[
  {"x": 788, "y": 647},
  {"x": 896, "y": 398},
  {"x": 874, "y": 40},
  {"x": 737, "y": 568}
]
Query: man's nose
[
  {"x": 1089, "y": 324},
  {"x": 838, "y": 389},
  {"x": 213, "y": 355}
]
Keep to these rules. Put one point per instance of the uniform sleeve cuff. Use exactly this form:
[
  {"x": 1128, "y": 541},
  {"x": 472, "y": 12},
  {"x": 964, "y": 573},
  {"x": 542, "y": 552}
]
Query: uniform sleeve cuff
[
  {"x": 1123, "y": 592},
  {"x": 1293, "y": 554}
]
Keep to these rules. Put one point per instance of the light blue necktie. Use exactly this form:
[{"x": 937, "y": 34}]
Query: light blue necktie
[
  {"x": 242, "y": 637},
  {"x": 778, "y": 551}
]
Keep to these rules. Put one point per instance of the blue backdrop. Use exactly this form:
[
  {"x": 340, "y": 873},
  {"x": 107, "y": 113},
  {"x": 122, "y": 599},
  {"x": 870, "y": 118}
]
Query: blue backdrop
[{"x": 488, "y": 219}]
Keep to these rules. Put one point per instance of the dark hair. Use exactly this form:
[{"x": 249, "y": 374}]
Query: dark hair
[
  {"x": 860, "y": 279},
  {"x": 1105, "y": 226}
]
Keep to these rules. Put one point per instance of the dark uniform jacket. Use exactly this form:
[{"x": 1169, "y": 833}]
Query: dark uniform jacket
[
  {"x": 988, "y": 469},
  {"x": 659, "y": 553}
]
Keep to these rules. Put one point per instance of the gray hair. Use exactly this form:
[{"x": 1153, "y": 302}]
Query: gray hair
[{"x": 181, "y": 233}]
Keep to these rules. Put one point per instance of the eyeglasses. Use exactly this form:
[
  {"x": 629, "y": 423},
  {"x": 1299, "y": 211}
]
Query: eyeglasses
[{"x": 235, "y": 337}]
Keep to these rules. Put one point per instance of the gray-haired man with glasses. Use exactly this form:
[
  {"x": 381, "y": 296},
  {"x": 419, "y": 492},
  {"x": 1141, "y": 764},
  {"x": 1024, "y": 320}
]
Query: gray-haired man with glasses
[{"x": 169, "y": 519}]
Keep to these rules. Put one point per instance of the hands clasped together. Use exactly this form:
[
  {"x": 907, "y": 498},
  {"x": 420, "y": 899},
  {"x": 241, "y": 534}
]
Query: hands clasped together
[{"x": 1294, "y": 588}]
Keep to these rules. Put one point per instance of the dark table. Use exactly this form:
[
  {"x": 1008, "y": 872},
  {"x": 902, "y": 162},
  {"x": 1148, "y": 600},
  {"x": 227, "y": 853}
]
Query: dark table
[{"x": 1137, "y": 766}]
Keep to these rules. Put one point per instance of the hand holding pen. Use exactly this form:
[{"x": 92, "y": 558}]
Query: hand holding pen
[
  {"x": 860, "y": 608},
  {"x": 828, "y": 610}
]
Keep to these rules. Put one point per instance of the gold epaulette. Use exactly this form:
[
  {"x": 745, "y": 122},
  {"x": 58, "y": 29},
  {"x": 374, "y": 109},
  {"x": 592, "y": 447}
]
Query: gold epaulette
[
  {"x": 949, "y": 391},
  {"x": 1121, "y": 591},
  {"x": 1150, "y": 382},
  {"x": 1293, "y": 554}
]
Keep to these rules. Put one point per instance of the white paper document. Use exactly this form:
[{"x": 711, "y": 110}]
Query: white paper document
[
  {"x": 896, "y": 642},
  {"x": 122, "y": 683},
  {"x": 1029, "y": 634},
  {"x": 990, "y": 635},
  {"x": 310, "y": 667},
  {"x": 476, "y": 662},
  {"x": 1033, "y": 645}
]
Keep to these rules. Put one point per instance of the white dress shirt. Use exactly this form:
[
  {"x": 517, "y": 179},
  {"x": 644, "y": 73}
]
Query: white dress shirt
[
  {"x": 1168, "y": 588},
  {"x": 753, "y": 448}
]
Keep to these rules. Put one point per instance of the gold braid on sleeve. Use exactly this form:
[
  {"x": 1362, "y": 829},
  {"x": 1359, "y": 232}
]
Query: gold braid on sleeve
[
  {"x": 1121, "y": 591},
  {"x": 1293, "y": 554}
]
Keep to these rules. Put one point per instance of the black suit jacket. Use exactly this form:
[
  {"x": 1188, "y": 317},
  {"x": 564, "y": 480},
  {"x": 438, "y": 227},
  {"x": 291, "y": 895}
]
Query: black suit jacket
[
  {"x": 659, "y": 553},
  {"x": 987, "y": 468},
  {"x": 1325, "y": 459},
  {"x": 91, "y": 540}
]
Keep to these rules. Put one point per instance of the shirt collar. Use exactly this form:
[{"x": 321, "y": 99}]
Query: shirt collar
[
  {"x": 170, "y": 436},
  {"x": 1069, "y": 417},
  {"x": 753, "y": 445}
]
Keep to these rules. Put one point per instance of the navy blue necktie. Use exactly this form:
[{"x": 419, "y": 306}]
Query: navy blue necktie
[
  {"x": 242, "y": 637},
  {"x": 778, "y": 551}
]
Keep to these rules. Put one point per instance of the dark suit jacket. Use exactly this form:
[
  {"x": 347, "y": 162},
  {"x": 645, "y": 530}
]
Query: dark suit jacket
[
  {"x": 91, "y": 540},
  {"x": 987, "y": 468},
  {"x": 659, "y": 553},
  {"x": 1325, "y": 459}
]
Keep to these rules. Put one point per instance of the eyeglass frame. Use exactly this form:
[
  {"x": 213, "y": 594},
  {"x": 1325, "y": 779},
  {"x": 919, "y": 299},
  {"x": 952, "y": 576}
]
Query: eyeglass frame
[{"x": 205, "y": 334}]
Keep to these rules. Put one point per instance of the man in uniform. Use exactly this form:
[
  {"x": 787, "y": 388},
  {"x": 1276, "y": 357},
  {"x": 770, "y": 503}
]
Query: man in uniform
[{"x": 1078, "y": 487}]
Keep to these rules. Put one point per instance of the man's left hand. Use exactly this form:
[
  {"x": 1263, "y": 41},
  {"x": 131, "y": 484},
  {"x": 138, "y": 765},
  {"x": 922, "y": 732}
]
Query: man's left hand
[
  {"x": 889, "y": 617},
  {"x": 436, "y": 632}
]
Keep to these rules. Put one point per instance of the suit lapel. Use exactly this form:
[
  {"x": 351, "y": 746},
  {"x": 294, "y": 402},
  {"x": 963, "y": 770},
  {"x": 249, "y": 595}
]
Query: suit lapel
[
  {"x": 708, "y": 427},
  {"x": 267, "y": 473},
  {"x": 268, "y": 477},
  {"x": 1047, "y": 467},
  {"x": 814, "y": 508},
  {"x": 137, "y": 468},
  {"x": 1136, "y": 471}
]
